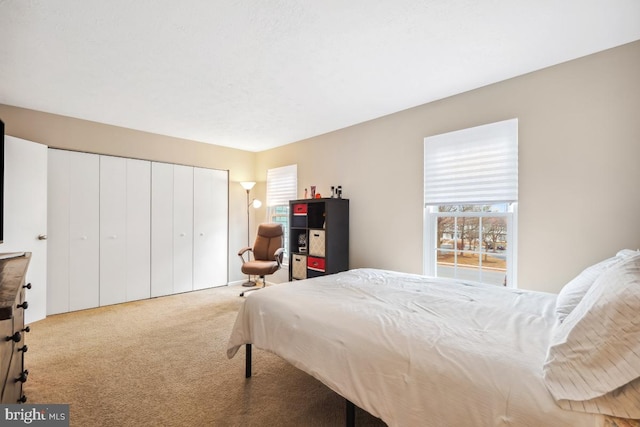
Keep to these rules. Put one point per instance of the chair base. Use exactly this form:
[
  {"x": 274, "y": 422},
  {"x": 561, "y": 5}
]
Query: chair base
[
  {"x": 254, "y": 285},
  {"x": 250, "y": 283}
]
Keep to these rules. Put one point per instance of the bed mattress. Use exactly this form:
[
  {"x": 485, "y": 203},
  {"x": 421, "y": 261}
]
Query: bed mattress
[{"x": 413, "y": 350}]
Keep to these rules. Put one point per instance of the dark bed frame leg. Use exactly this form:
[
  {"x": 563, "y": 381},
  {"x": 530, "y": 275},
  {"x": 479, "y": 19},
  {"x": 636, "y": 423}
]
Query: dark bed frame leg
[
  {"x": 247, "y": 361},
  {"x": 351, "y": 414},
  {"x": 350, "y": 407}
]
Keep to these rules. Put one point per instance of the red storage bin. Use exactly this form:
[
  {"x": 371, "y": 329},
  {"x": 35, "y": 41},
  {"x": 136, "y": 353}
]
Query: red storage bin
[
  {"x": 300, "y": 209},
  {"x": 315, "y": 263}
]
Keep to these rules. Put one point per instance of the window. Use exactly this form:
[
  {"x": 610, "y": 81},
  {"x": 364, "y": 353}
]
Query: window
[
  {"x": 470, "y": 197},
  {"x": 282, "y": 186}
]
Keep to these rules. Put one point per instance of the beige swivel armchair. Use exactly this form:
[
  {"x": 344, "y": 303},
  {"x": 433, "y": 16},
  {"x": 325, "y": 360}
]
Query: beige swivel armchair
[{"x": 267, "y": 253}]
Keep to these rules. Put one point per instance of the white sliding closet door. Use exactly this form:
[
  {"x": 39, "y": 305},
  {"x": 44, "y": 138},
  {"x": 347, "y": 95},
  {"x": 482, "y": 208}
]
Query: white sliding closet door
[
  {"x": 73, "y": 227},
  {"x": 58, "y": 232},
  {"x": 84, "y": 220},
  {"x": 210, "y": 213},
  {"x": 138, "y": 231},
  {"x": 161, "y": 229},
  {"x": 182, "y": 228},
  {"x": 113, "y": 222},
  {"x": 125, "y": 252}
]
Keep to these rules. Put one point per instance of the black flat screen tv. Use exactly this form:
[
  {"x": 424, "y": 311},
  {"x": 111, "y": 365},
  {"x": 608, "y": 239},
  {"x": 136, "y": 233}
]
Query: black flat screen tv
[{"x": 1, "y": 181}]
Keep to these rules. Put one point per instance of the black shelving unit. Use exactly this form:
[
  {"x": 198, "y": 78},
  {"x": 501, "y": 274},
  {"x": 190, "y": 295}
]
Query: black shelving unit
[{"x": 318, "y": 237}]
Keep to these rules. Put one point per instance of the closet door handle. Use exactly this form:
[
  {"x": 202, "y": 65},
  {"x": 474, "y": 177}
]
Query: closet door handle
[{"x": 42, "y": 237}]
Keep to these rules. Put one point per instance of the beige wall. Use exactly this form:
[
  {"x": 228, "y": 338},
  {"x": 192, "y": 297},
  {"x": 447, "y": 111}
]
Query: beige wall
[
  {"x": 92, "y": 137},
  {"x": 579, "y": 155},
  {"x": 81, "y": 135},
  {"x": 579, "y": 141}
]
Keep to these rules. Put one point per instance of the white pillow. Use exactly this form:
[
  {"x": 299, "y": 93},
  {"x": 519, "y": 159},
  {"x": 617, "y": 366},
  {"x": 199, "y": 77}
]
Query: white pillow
[
  {"x": 572, "y": 293},
  {"x": 596, "y": 350},
  {"x": 623, "y": 402}
]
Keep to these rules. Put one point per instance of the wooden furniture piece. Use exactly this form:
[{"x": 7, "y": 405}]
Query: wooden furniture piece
[
  {"x": 318, "y": 237},
  {"x": 12, "y": 330}
]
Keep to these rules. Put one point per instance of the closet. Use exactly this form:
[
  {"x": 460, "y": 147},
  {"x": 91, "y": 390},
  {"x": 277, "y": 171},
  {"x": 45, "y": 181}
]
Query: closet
[{"x": 125, "y": 229}]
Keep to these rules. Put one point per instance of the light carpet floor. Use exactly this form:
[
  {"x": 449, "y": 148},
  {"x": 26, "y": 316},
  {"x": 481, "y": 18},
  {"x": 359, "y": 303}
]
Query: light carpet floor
[{"x": 162, "y": 362}]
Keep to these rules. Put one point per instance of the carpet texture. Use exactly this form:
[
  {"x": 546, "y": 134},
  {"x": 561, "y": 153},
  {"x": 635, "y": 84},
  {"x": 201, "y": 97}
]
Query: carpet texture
[{"x": 162, "y": 362}]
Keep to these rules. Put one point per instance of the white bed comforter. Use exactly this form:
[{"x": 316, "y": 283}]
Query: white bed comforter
[{"x": 414, "y": 351}]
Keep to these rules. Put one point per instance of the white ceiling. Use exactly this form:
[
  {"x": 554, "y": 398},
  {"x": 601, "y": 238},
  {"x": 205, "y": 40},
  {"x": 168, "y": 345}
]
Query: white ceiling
[{"x": 256, "y": 74}]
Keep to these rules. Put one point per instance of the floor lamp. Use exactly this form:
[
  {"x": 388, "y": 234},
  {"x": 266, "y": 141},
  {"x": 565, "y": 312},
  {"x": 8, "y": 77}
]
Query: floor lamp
[{"x": 248, "y": 185}]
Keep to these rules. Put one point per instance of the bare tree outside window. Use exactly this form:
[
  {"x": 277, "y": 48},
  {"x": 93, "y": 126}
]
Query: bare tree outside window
[{"x": 471, "y": 242}]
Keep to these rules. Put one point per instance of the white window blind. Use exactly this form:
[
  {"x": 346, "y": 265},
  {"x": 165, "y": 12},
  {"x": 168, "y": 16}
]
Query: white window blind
[
  {"x": 282, "y": 185},
  {"x": 475, "y": 165}
]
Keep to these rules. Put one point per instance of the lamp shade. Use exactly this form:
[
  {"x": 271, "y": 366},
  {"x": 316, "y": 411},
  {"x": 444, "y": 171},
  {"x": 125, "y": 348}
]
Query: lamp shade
[{"x": 247, "y": 185}]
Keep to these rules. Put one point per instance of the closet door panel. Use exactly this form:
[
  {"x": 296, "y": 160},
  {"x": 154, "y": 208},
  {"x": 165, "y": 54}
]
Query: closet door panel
[
  {"x": 182, "y": 228},
  {"x": 58, "y": 232},
  {"x": 84, "y": 216},
  {"x": 161, "y": 229},
  {"x": 113, "y": 225},
  {"x": 138, "y": 232},
  {"x": 210, "y": 253},
  {"x": 219, "y": 245}
]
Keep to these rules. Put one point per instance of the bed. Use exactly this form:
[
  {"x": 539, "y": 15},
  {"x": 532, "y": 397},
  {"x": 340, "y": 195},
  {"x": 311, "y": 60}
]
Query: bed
[{"x": 413, "y": 350}]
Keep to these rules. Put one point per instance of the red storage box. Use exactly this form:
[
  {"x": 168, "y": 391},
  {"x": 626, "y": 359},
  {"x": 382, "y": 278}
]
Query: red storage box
[
  {"x": 315, "y": 263},
  {"x": 300, "y": 209}
]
